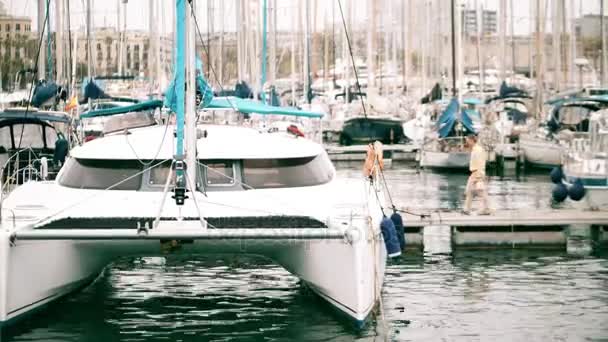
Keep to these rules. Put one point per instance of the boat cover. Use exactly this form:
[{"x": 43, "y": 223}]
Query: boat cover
[{"x": 449, "y": 118}]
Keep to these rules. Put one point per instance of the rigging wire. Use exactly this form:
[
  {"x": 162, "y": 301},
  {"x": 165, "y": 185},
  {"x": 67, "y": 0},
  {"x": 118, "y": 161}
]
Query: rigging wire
[
  {"x": 352, "y": 58},
  {"x": 207, "y": 52},
  {"x": 27, "y": 108}
]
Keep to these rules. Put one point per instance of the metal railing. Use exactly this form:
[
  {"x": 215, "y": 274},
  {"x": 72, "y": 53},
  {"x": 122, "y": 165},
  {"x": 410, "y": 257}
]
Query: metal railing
[{"x": 22, "y": 166}]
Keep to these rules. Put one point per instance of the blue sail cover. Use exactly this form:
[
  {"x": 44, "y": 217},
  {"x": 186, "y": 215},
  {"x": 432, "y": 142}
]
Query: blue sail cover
[
  {"x": 255, "y": 107},
  {"x": 137, "y": 107},
  {"x": 43, "y": 92},
  {"x": 93, "y": 90},
  {"x": 204, "y": 92},
  {"x": 449, "y": 118}
]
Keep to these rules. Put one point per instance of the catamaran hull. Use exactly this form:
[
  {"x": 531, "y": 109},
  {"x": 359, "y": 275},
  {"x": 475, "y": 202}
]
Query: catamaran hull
[
  {"x": 540, "y": 153},
  {"x": 348, "y": 275},
  {"x": 445, "y": 160}
]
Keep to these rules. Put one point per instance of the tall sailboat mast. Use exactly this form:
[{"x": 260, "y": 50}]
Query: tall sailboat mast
[
  {"x": 264, "y": 60},
  {"x": 59, "y": 40},
  {"x": 453, "y": 27},
  {"x": 42, "y": 55},
  {"x": 603, "y": 62}
]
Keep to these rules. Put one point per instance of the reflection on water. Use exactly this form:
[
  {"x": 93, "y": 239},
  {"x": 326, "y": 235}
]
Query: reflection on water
[{"x": 439, "y": 295}]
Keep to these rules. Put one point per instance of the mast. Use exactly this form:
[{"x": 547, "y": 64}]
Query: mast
[
  {"x": 293, "y": 57},
  {"x": 59, "y": 40},
  {"x": 307, "y": 51},
  {"x": 572, "y": 41},
  {"x": 502, "y": 27},
  {"x": 49, "y": 54},
  {"x": 603, "y": 61},
  {"x": 221, "y": 52},
  {"x": 479, "y": 14},
  {"x": 190, "y": 110},
  {"x": 371, "y": 42},
  {"x": 152, "y": 43},
  {"x": 41, "y": 28},
  {"x": 393, "y": 25},
  {"x": 89, "y": 49},
  {"x": 539, "y": 56},
  {"x": 556, "y": 46},
  {"x": 264, "y": 48},
  {"x": 345, "y": 54},
  {"x": 531, "y": 42},
  {"x": 453, "y": 24},
  {"x": 239, "y": 40},
  {"x": 405, "y": 29},
  {"x": 424, "y": 46},
  {"x": 180, "y": 78},
  {"x": 564, "y": 44},
  {"x": 325, "y": 48},
  {"x": 512, "y": 34},
  {"x": 275, "y": 43}
]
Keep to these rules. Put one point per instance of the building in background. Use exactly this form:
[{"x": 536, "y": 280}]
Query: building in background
[
  {"x": 105, "y": 52},
  {"x": 588, "y": 26},
  {"x": 13, "y": 31},
  {"x": 488, "y": 22}
]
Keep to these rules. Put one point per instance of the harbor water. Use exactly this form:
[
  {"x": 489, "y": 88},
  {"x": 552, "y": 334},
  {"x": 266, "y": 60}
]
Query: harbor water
[{"x": 438, "y": 294}]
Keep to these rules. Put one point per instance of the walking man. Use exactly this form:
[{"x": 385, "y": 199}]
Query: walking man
[{"x": 476, "y": 185}]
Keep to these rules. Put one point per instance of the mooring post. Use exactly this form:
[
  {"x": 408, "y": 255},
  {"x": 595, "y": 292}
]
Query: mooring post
[{"x": 579, "y": 240}]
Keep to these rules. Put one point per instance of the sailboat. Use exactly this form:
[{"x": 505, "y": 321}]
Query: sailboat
[
  {"x": 194, "y": 189},
  {"x": 568, "y": 118},
  {"x": 585, "y": 168},
  {"x": 447, "y": 150}
]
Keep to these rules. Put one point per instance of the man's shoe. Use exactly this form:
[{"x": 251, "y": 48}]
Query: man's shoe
[
  {"x": 465, "y": 212},
  {"x": 485, "y": 212}
]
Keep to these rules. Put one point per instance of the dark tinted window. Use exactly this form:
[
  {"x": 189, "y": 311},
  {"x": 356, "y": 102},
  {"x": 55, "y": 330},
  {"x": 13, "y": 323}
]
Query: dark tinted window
[
  {"x": 219, "y": 173},
  {"x": 159, "y": 174},
  {"x": 101, "y": 174},
  {"x": 292, "y": 172}
]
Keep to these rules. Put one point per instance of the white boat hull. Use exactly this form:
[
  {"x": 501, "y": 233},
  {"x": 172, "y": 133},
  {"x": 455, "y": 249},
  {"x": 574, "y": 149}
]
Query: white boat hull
[
  {"x": 445, "y": 160},
  {"x": 35, "y": 273},
  {"x": 541, "y": 153}
]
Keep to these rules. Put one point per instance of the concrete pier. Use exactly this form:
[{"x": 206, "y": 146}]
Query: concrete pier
[
  {"x": 398, "y": 152},
  {"x": 546, "y": 228}
]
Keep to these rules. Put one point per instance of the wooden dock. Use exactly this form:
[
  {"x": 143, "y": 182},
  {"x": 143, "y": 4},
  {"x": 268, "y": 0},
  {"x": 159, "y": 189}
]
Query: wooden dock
[
  {"x": 397, "y": 152},
  {"x": 513, "y": 228}
]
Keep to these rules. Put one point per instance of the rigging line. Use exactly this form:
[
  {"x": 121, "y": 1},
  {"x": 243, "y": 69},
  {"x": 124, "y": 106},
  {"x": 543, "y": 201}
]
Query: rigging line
[
  {"x": 390, "y": 198},
  {"x": 27, "y": 107},
  {"x": 157, "y": 151},
  {"x": 101, "y": 192},
  {"x": 352, "y": 58},
  {"x": 206, "y": 49}
]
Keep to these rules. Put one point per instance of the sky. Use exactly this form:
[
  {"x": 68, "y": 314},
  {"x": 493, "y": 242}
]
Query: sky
[{"x": 105, "y": 13}]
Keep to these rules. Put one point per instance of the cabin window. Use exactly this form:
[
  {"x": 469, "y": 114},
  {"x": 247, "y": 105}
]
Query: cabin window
[
  {"x": 6, "y": 143},
  {"x": 288, "y": 172},
  {"x": 159, "y": 174},
  {"x": 28, "y": 135},
  {"x": 101, "y": 174},
  {"x": 219, "y": 173}
]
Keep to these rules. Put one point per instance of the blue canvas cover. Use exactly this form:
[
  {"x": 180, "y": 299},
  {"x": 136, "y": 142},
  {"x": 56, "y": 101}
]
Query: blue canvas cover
[
  {"x": 43, "y": 92},
  {"x": 137, "y": 107},
  {"x": 255, "y": 107},
  {"x": 452, "y": 115},
  {"x": 204, "y": 91}
]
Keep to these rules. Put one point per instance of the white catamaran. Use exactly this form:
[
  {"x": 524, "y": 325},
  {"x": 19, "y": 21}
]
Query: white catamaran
[{"x": 194, "y": 189}]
